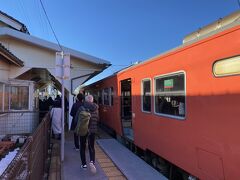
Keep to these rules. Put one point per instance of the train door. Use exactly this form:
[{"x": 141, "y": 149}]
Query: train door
[{"x": 126, "y": 108}]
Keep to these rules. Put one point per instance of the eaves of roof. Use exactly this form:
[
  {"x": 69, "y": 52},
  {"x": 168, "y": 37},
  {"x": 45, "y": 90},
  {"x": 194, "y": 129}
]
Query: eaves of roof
[
  {"x": 10, "y": 56},
  {"x": 4, "y": 31},
  {"x": 24, "y": 28}
]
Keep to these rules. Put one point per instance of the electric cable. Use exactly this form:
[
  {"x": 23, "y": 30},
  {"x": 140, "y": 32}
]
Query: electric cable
[{"x": 51, "y": 26}]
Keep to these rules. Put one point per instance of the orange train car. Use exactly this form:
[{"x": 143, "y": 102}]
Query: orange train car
[{"x": 181, "y": 109}]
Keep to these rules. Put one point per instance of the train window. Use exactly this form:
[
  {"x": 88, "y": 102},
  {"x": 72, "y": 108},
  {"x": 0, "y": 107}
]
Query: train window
[
  {"x": 146, "y": 95},
  {"x": 227, "y": 67},
  {"x": 170, "y": 95},
  {"x": 106, "y": 96},
  {"x": 99, "y": 100},
  {"x": 102, "y": 95},
  {"x": 111, "y": 96}
]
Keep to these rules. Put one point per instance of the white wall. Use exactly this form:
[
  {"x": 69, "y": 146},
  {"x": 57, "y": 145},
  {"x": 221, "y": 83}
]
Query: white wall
[
  {"x": 38, "y": 57},
  {"x": 4, "y": 70}
]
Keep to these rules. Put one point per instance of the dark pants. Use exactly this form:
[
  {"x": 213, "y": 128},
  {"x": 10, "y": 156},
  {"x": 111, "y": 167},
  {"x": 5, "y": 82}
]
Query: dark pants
[
  {"x": 91, "y": 140},
  {"x": 76, "y": 140}
]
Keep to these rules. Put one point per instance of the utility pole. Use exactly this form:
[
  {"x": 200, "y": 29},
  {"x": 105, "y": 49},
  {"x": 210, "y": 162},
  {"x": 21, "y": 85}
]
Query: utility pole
[{"x": 62, "y": 72}]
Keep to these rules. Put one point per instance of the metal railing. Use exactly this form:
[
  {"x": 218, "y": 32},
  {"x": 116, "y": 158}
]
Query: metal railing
[
  {"x": 30, "y": 162},
  {"x": 18, "y": 122}
]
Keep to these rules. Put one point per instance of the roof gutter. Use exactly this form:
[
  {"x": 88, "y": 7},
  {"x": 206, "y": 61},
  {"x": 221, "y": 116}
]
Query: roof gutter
[{"x": 4, "y": 31}]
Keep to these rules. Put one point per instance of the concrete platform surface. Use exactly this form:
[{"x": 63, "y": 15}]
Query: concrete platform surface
[
  {"x": 133, "y": 167},
  {"x": 71, "y": 166}
]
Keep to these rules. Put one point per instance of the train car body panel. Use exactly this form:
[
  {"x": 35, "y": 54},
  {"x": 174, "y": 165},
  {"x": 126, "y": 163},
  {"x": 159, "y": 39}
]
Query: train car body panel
[
  {"x": 208, "y": 136},
  {"x": 109, "y": 113},
  {"x": 200, "y": 133}
]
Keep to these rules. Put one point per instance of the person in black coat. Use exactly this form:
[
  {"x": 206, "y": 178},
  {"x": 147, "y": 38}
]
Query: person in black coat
[{"x": 75, "y": 107}]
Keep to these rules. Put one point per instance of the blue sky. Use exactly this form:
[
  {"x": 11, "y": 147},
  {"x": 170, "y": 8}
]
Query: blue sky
[{"x": 120, "y": 31}]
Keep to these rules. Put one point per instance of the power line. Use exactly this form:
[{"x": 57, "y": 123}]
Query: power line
[
  {"x": 80, "y": 68},
  {"x": 43, "y": 19},
  {"x": 51, "y": 25},
  {"x": 39, "y": 15}
]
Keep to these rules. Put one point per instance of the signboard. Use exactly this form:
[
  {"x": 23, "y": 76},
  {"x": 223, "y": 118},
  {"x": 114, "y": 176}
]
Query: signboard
[
  {"x": 168, "y": 83},
  {"x": 62, "y": 70},
  {"x": 58, "y": 62},
  {"x": 66, "y": 66}
]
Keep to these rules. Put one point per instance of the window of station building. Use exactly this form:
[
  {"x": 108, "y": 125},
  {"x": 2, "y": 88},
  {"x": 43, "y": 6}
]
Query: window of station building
[
  {"x": 16, "y": 97},
  {"x": 106, "y": 96},
  {"x": 1, "y": 97},
  {"x": 227, "y": 67},
  {"x": 19, "y": 99},
  {"x": 170, "y": 95},
  {"x": 146, "y": 95},
  {"x": 6, "y": 98},
  {"x": 111, "y": 96}
]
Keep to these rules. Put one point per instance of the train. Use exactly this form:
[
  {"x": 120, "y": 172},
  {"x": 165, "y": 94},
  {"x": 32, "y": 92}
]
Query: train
[{"x": 180, "y": 110}]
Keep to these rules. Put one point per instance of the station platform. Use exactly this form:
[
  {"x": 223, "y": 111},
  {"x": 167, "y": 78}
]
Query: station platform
[
  {"x": 71, "y": 169},
  {"x": 129, "y": 164},
  {"x": 113, "y": 162}
]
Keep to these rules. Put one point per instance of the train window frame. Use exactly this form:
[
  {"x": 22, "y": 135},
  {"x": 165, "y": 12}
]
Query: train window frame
[
  {"x": 223, "y": 60},
  {"x": 102, "y": 95},
  {"x": 142, "y": 94},
  {"x": 99, "y": 94},
  {"x": 176, "y": 92},
  {"x": 106, "y": 94},
  {"x": 111, "y": 96}
]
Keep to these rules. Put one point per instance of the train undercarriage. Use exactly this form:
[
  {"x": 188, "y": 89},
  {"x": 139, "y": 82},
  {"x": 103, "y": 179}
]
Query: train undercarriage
[{"x": 169, "y": 170}]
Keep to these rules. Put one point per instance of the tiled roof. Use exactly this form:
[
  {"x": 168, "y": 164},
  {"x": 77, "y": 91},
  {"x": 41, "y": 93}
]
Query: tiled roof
[
  {"x": 10, "y": 56},
  {"x": 24, "y": 28}
]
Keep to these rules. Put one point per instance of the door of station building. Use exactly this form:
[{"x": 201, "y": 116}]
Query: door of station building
[{"x": 126, "y": 108}]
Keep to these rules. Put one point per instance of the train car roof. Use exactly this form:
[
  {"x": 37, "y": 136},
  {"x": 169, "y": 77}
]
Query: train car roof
[
  {"x": 194, "y": 38},
  {"x": 197, "y": 37}
]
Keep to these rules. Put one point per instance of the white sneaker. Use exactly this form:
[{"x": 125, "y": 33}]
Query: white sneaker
[
  {"x": 84, "y": 167},
  {"x": 92, "y": 167}
]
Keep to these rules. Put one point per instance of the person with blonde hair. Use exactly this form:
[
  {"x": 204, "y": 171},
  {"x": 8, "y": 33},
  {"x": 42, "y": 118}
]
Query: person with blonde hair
[{"x": 92, "y": 108}]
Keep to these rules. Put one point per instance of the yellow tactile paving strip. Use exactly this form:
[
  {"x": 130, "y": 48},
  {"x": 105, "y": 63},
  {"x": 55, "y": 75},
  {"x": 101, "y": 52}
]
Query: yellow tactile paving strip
[{"x": 109, "y": 168}]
